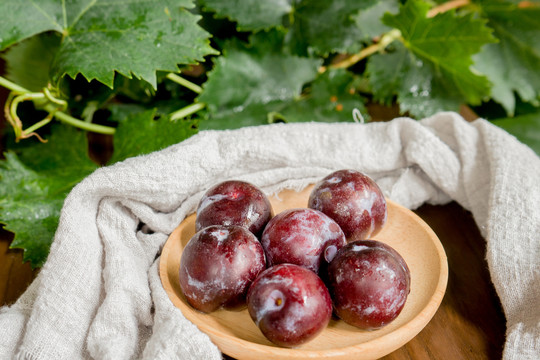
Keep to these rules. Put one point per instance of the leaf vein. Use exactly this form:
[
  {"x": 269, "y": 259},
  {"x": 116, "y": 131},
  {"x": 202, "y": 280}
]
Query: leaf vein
[
  {"x": 518, "y": 41},
  {"x": 64, "y": 14},
  {"x": 59, "y": 28},
  {"x": 81, "y": 14}
]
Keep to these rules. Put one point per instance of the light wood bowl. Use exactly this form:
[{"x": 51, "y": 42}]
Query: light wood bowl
[{"x": 237, "y": 335}]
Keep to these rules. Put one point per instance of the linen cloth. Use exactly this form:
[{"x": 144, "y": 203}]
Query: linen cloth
[{"x": 99, "y": 294}]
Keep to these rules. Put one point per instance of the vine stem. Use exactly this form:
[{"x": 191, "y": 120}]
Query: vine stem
[
  {"x": 449, "y": 5},
  {"x": 12, "y": 116},
  {"x": 186, "y": 83},
  {"x": 392, "y": 35},
  {"x": 52, "y": 109},
  {"x": 186, "y": 111},
  {"x": 30, "y": 130},
  {"x": 387, "y": 38},
  {"x": 68, "y": 119},
  {"x": 12, "y": 86}
]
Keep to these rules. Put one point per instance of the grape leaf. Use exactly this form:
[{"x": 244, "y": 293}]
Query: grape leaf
[
  {"x": 513, "y": 64},
  {"x": 323, "y": 27},
  {"x": 131, "y": 37},
  {"x": 85, "y": 98},
  {"x": 386, "y": 84},
  {"x": 27, "y": 19},
  {"x": 447, "y": 42},
  {"x": 33, "y": 185},
  {"x": 526, "y": 128},
  {"x": 248, "y": 80},
  {"x": 28, "y": 63},
  {"x": 330, "y": 98},
  {"x": 251, "y": 14},
  {"x": 234, "y": 118},
  {"x": 140, "y": 133},
  {"x": 419, "y": 88},
  {"x": 368, "y": 21}
]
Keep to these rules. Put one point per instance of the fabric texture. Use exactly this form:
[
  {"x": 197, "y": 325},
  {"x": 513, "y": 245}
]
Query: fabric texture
[{"x": 99, "y": 294}]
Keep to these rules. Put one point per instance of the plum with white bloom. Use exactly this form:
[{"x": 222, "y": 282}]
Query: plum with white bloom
[
  {"x": 218, "y": 265},
  {"x": 290, "y": 304},
  {"x": 353, "y": 200},
  {"x": 234, "y": 202},
  {"x": 369, "y": 283},
  {"x": 303, "y": 237}
]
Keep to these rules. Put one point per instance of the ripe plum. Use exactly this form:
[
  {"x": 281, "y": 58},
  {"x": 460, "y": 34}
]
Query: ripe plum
[
  {"x": 290, "y": 304},
  {"x": 369, "y": 283},
  {"x": 218, "y": 265},
  {"x": 353, "y": 200},
  {"x": 234, "y": 202},
  {"x": 303, "y": 237}
]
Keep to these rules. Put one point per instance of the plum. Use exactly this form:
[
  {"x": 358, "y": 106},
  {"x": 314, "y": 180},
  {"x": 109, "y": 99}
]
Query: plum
[
  {"x": 290, "y": 304},
  {"x": 353, "y": 200},
  {"x": 218, "y": 265},
  {"x": 303, "y": 237},
  {"x": 234, "y": 202},
  {"x": 369, "y": 283}
]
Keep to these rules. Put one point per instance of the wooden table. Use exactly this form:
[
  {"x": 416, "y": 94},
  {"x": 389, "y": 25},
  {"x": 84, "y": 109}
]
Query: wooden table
[{"x": 468, "y": 325}]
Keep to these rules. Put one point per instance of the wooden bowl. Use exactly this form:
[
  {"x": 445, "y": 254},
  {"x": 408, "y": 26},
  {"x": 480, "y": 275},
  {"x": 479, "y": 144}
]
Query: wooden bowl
[{"x": 237, "y": 336}]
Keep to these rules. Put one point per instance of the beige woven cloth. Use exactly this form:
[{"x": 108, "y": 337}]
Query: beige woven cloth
[{"x": 99, "y": 294}]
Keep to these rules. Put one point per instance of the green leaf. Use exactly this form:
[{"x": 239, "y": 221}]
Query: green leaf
[
  {"x": 132, "y": 37},
  {"x": 447, "y": 42},
  {"x": 26, "y": 19},
  {"x": 251, "y": 15},
  {"x": 386, "y": 84},
  {"x": 368, "y": 21},
  {"x": 322, "y": 26},
  {"x": 241, "y": 116},
  {"x": 85, "y": 98},
  {"x": 247, "y": 80},
  {"x": 512, "y": 65},
  {"x": 525, "y": 128},
  {"x": 33, "y": 186},
  {"x": 28, "y": 62},
  {"x": 140, "y": 133},
  {"x": 330, "y": 98},
  {"x": 420, "y": 90}
]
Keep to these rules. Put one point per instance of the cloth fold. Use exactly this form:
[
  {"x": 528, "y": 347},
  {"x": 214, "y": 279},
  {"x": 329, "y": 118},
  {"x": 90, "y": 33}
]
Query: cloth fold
[{"x": 99, "y": 294}]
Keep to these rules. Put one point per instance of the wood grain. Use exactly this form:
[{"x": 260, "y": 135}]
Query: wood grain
[{"x": 15, "y": 276}]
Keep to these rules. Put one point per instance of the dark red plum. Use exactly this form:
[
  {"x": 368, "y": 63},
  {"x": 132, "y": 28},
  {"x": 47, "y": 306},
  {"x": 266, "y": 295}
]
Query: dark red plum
[
  {"x": 385, "y": 247},
  {"x": 369, "y": 283},
  {"x": 303, "y": 237},
  {"x": 218, "y": 265},
  {"x": 290, "y": 304},
  {"x": 353, "y": 200},
  {"x": 234, "y": 202}
]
